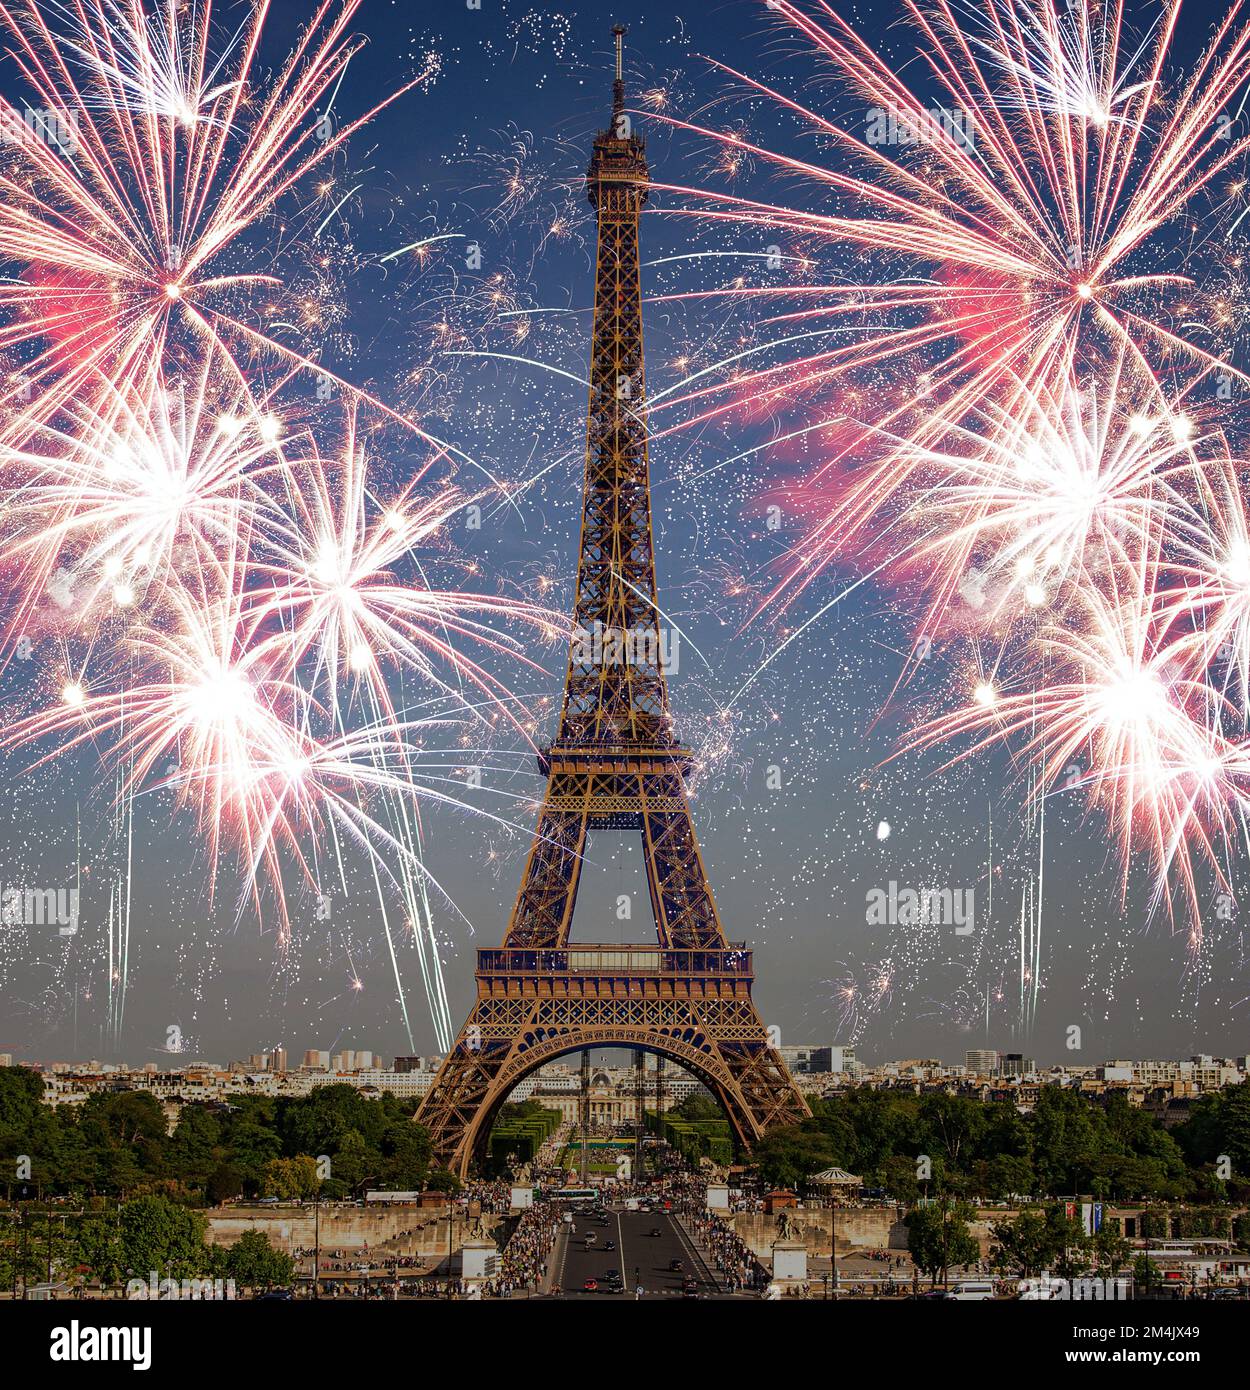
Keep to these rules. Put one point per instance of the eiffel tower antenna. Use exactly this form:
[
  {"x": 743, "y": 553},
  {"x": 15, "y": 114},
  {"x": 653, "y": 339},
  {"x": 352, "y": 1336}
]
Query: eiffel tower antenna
[
  {"x": 618, "y": 87},
  {"x": 614, "y": 766}
]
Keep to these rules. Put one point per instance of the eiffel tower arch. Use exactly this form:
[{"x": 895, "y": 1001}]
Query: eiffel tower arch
[{"x": 614, "y": 765}]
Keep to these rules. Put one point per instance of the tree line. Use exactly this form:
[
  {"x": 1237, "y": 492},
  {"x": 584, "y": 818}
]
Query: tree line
[
  {"x": 328, "y": 1144},
  {"x": 907, "y": 1146}
]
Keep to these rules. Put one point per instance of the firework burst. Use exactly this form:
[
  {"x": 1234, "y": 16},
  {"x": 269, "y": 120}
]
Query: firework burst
[
  {"x": 169, "y": 149},
  {"x": 1023, "y": 437},
  {"x": 1019, "y": 215},
  {"x": 255, "y": 616}
]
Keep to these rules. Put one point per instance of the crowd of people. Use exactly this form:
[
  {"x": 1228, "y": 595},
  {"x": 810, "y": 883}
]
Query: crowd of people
[
  {"x": 733, "y": 1257},
  {"x": 493, "y": 1196},
  {"x": 524, "y": 1257}
]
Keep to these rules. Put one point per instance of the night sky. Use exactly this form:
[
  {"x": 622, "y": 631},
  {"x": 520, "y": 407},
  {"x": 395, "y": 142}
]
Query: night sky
[{"x": 802, "y": 812}]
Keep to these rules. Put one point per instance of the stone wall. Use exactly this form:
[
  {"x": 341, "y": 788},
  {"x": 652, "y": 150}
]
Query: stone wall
[
  {"x": 856, "y": 1228},
  {"x": 385, "y": 1230}
]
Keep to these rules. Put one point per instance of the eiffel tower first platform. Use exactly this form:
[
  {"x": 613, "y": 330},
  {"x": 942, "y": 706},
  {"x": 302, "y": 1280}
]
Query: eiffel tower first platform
[{"x": 614, "y": 766}]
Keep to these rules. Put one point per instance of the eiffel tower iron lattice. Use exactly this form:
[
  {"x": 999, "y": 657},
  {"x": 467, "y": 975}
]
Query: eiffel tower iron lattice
[{"x": 614, "y": 765}]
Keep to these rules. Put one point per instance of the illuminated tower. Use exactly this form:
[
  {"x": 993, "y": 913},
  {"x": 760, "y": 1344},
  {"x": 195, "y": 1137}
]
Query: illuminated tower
[{"x": 614, "y": 766}]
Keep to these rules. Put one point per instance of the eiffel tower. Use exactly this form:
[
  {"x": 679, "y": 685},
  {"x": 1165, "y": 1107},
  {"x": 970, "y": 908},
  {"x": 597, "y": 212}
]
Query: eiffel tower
[{"x": 616, "y": 766}]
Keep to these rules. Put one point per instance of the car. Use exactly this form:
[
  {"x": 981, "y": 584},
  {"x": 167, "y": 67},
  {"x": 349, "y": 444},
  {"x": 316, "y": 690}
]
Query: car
[
  {"x": 973, "y": 1291},
  {"x": 655, "y": 1231},
  {"x": 609, "y": 1245},
  {"x": 675, "y": 1266},
  {"x": 591, "y": 1286},
  {"x": 268, "y": 1202},
  {"x": 276, "y": 1294},
  {"x": 612, "y": 1275}
]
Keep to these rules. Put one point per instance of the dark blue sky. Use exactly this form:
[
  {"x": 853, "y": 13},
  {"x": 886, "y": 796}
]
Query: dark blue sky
[{"x": 521, "y": 89}]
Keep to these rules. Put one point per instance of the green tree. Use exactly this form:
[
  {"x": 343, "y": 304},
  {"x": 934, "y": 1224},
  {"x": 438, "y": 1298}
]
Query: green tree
[
  {"x": 253, "y": 1263},
  {"x": 698, "y": 1106},
  {"x": 29, "y": 1128},
  {"x": 898, "y": 1176},
  {"x": 1109, "y": 1249},
  {"x": 788, "y": 1156},
  {"x": 250, "y": 1136},
  {"x": 1065, "y": 1138},
  {"x": 938, "y": 1236},
  {"x": 1023, "y": 1245},
  {"x": 355, "y": 1161},
  {"x": 195, "y": 1147},
  {"x": 406, "y": 1152},
  {"x": 1072, "y": 1246},
  {"x": 224, "y": 1184},
  {"x": 1219, "y": 1125},
  {"x": 951, "y": 1126},
  {"x": 1006, "y": 1175},
  {"x": 158, "y": 1235},
  {"x": 1241, "y": 1231},
  {"x": 99, "y": 1247},
  {"x": 292, "y": 1179},
  {"x": 321, "y": 1122},
  {"x": 21, "y": 1097}
]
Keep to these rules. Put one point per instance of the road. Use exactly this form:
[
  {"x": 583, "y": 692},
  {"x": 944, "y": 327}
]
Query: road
[{"x": 641, "y": 1257}]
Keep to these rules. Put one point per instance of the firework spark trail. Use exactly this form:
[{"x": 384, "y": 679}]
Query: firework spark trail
[
  {"x": 1121, "y": 698},
  {"x": 333, "y": 595},
  {"x": 151, "y": 480},
  {"x": 1019, "y": 507}
]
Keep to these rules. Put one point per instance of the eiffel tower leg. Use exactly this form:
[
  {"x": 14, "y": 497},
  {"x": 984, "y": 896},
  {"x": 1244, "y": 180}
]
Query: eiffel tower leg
[
  {"x": 540, "y": 919},
  {"x": 544, "y": 905},
  {"x": 685, "y": 911}
]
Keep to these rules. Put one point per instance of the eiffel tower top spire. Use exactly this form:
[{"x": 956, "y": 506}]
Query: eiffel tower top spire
[
  {"x": 618, "y": 87},
  {"x": 619, "y": 153}
]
